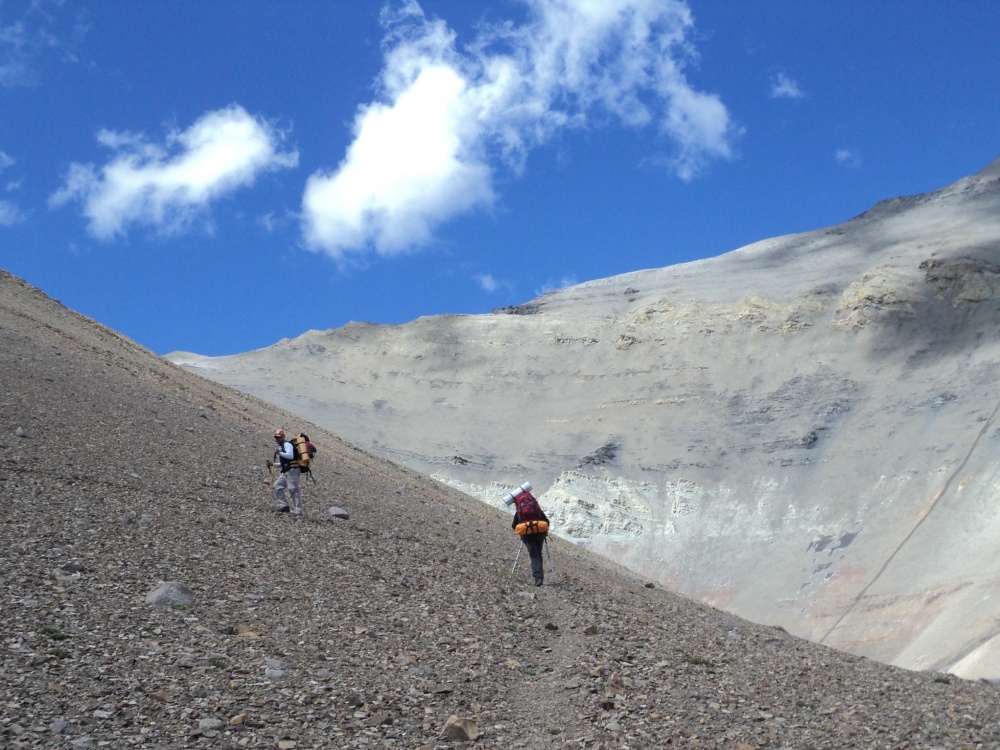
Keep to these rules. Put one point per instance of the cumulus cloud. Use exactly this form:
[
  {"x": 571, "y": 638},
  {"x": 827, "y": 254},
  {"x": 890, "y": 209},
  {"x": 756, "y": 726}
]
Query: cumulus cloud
[
  {"x": 783, "y": 87},
  {"x": 167, "y": 186},
  {"x": 447, "y": 117}
]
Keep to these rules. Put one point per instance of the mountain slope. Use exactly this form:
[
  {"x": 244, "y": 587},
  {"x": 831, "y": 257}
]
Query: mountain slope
[
  {"x": 121, "y": 471},
  {"x": 801, "y": 431}
]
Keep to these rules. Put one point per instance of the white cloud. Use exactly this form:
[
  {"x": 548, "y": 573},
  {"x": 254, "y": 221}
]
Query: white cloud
[
  {"x": 15, "y": 52},
  {"x": 783, "y": 87},
  {"x": 848, "y": 157},
  {"x": 42, "y": 32},
  {"x": 487, "y": 282},
  {"x": 167, "y": 186},
  {"x": 446, "y": 117},
  {"x": 10, "y": 214},
  {"x": 268, "y": 222},
  {"x": 409, "y": 167}
]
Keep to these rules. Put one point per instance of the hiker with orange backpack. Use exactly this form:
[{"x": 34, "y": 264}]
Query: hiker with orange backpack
[{"x": 531, "y": 524}]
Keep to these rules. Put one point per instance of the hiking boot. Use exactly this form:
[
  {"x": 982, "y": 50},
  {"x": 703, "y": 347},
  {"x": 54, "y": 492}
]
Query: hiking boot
[
  {"x": 284, "y": 509},
  {"x": 538, "y": 581}
]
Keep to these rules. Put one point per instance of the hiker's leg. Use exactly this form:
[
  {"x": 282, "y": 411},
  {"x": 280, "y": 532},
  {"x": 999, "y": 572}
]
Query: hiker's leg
[
  {"x": 528, "y": 541},
  {"x": 279, "y": 489},
  {"x": 295, "y": 489},
  {"x": 534, "y": 542}
]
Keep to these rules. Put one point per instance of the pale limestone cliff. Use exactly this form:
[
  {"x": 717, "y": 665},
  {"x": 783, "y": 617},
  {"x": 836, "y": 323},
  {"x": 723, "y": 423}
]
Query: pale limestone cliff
[{"x": 803, "y": 431}]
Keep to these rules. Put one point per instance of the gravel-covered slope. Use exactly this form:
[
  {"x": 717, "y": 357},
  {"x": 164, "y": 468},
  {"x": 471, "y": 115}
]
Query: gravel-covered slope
[{"x": 120, "y": 471}]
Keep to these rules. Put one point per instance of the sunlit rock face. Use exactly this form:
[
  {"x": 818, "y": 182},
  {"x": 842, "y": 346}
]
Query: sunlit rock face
[{"x": 802, "y": 431}]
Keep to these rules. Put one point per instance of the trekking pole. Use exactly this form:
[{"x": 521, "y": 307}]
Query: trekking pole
[
  {"x": 552, "y": 571},
  {"x": 516, "y": 557}
]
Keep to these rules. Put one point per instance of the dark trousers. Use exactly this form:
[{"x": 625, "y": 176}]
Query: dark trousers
[{"x": 534, "y": 543}]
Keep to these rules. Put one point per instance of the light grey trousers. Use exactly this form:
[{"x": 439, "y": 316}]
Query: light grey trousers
[{"x": 289, "y": 480}]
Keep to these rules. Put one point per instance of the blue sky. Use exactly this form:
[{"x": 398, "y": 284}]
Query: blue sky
[{"x": 215, "y": 176}]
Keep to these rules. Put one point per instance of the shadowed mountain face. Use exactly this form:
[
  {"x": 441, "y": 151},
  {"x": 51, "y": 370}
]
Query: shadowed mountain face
[{"x": 803, "y": 432}]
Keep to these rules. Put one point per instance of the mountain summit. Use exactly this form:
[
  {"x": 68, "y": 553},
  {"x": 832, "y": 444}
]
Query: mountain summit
[{"x": 802, "y": 431}]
